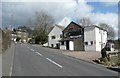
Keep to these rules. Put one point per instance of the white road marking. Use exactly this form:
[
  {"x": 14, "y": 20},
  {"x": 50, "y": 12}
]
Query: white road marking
[
  {"x": 10, "y": 73},
  {"x": 11, "y": 68},
  {"x": 54, "y": 62},
  {"x": 32, "y": 49},
  {"x": 39, "y": 54}
]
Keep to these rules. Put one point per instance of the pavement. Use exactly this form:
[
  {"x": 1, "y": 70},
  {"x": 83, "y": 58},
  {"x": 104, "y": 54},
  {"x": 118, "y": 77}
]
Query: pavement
[
  {"x": 86, "y": 56},
  {"x": 32, "y": 60},
  {"x": 7, "y": 60}
]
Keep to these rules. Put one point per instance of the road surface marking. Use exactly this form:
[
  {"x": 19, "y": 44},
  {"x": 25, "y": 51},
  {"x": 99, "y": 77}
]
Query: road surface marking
[
  {"x": 39, "y": 54},
  {"x": 32, "y": 49},
  {"x": 28, "y": 47},
  {"x": 54, "y": 62},
  {"x": 10, "y": 73},
  {"x": 11, "y": 68}
]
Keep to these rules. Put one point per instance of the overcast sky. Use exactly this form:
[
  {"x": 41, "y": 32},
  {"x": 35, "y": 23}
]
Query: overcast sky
[{"x": 97, "y": 10}]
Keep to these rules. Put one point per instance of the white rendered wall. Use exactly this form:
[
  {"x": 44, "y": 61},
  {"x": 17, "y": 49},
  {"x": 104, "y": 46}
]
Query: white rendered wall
[
  {"x": 63, "y": 47},
  {"x": 98, "y": 39},
  {"x": 101, "y": 38},
  {"x": 56, "y": 31},
  {"x": 89, "y": 35}
]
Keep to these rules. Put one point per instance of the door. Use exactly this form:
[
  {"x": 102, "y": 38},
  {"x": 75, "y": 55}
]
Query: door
[
  {"x": 58, "y": 46},
  {"x": 67, "y": 45}
]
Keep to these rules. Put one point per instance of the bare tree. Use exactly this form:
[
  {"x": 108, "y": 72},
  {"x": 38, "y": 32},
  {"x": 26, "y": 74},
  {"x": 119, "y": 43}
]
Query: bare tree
[
  {"x": 43, "y": 20},
  {"x": 110, "y": 30},
  {"x": 85, "y": 21}
]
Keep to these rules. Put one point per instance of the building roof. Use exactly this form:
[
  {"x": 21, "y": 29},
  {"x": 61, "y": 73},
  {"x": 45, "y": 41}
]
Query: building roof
[
  {"x": 95, "y": 26},
  {"x": 74, "y": 24},
  {"x": 51, "y": 28},
  {"x": 61, "y": 27}
]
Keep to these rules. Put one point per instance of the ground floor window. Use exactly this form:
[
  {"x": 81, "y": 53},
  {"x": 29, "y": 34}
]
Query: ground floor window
[
  {"x": 86, "y": 43},
  {"x": 51, "y": 45},
  {"x": 62, "y": 42},
  {"x": 91, "y": 42}
]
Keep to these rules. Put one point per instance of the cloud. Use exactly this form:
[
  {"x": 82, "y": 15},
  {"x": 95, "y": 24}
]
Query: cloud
[
  {"x": 108, "y": 18},
  {"x": 24, "y": 9}
]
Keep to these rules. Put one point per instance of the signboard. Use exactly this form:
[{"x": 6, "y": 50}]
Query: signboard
[{"x": 76, "y": 36}]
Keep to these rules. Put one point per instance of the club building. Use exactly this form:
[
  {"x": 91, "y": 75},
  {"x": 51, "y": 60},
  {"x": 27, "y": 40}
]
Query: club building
[{"x": 78, "y": 38}]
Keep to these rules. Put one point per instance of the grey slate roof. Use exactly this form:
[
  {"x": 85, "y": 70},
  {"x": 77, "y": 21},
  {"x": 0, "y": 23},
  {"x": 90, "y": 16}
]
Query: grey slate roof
[{"x": 61, "y": 27}]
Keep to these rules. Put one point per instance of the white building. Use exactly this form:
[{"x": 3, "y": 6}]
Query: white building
[
  {"x": 54, "y": 36},
  {"x": 78, "y": 38},
  {"x": 95, "y": 38}
]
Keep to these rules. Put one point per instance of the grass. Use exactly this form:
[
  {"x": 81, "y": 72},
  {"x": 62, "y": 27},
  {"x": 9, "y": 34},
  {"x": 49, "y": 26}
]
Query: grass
[{"x": 114, "y": 61}]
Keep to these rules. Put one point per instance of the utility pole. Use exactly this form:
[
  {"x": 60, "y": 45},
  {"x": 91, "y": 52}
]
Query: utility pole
[{"x": 10, "y": 27}]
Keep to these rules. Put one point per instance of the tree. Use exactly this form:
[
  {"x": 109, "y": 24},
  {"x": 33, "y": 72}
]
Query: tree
[
  {"x": 85, "y": 21},
  {"x": 43, "y": 22},
  {"x": 110, "y": 30}
]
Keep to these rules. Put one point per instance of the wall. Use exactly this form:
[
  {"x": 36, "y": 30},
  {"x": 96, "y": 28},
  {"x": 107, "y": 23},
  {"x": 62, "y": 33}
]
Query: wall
[
  {"x": 101, "y": 38},
  {"x": 55, "y": 32},
  {"x": 63, "y": 47},
  {"x": 89, "y": 35},
  {"x": 98, "y": 39},
  {"x": 79, "y": 44}
]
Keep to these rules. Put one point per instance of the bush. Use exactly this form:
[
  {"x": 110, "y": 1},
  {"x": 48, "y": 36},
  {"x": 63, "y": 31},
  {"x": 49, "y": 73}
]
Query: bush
[
  {"x": 104, "y": 59},
  {"x": 103, "y": 53}
]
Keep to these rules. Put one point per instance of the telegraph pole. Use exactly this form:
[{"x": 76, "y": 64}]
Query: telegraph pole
[{"x": 10, "y": 27}]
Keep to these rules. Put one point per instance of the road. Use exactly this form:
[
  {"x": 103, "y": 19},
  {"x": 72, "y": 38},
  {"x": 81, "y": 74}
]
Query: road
[{"x": 32, "y": 60}]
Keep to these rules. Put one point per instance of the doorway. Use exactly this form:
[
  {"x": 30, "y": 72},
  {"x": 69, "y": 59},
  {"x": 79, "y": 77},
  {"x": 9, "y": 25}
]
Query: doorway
[
  {"x": 58, "y": 46},
  {"x": 67, "y": 45}
]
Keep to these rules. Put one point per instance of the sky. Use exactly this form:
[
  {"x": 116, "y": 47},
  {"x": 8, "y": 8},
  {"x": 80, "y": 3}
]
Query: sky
[{"x": 17, "y": 12}]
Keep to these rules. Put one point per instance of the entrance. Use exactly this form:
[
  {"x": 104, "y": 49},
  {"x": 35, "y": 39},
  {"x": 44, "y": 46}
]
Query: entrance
[
  {"x": 67, "y": 45},
  {"x": 58, "y": 46}
]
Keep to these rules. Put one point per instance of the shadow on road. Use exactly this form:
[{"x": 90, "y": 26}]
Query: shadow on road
[{"x": 114, "y": 69}]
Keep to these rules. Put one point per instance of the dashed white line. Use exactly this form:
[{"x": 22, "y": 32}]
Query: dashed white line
[
  {"x": 32, "y": 49},
  {"x": 39, "y": 54},
  {"x": 54, "y": 62}
]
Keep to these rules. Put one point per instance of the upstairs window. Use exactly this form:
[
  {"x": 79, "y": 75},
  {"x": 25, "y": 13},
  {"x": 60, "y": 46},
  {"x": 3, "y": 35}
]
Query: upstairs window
[
  {"x": 91, "y": 42},
  {"x": 61, "y": 36},
  {"x": 53, "y": 37}
]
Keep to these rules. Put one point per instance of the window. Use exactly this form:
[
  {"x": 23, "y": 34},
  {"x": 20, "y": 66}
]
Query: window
[
  {"x": 51, "y": 45},
  {"x": 86, "y": 43},
  {"x": 53, "y": 37},
  {"x": 62, "y": 43},
  {"x": 61, "y": 36},
  {"x": 91, "y": 42}
]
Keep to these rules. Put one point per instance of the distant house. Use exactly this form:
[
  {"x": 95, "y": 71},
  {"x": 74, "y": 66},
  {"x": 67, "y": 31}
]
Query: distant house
[
  {"x": 23, "y": 35},
  {"x": 110, "y": 45},
  {"x": 73, "y": 37},
  {"x": 54, "y": 36},
  {"x": 95, "y": 38},
  {"x": 14, "y": 36}
]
